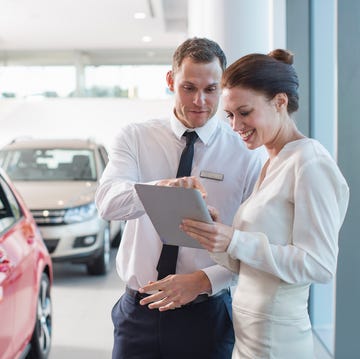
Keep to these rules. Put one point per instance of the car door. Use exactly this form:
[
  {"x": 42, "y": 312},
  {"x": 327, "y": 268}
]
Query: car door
[
  {"x": 6, "y": 303},
  {"x": 7, "y": 275},
  {"x": 18, "y": 265}
]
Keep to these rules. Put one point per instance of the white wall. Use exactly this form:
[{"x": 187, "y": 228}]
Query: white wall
[{"x": 73, "y": 118}]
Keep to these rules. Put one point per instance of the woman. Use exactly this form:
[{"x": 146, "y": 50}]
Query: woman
[{"x": 284, "y": 237}]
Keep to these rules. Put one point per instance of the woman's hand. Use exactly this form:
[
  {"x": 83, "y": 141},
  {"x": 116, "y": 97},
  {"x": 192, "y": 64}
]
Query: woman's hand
[
  {"x": 214, "y": 237},
  {"x": 187, "y": 182},
  {"x": 214, "y": 213}
]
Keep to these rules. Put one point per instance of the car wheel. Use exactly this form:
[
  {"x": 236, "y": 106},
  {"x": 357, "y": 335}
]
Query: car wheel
[
  {"x": 101, "y": 264},
  {"x": 41, "y": 338}
]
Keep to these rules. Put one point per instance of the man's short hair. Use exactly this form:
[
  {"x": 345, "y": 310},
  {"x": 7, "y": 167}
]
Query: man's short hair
[{"x": 200, "y": 50}]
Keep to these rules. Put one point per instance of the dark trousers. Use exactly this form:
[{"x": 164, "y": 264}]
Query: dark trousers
[{"x": 194, "y": 331}]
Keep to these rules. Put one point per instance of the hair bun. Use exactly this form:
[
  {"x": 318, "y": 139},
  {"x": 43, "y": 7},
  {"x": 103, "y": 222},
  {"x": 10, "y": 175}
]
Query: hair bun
[{"x": 282, "y": 55}]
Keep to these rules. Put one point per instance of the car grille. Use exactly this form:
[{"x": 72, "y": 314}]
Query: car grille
[
  {"x": 48, "y": 217},
  {"x": 51, "y": 244}
]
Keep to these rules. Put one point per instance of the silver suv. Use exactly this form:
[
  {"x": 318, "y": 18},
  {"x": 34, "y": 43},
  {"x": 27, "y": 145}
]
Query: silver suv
[{"x": 58, "y": 179}]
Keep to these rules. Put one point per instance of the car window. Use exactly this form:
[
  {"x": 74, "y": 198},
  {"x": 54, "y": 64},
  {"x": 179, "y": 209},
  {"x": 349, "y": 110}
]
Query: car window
[
  {"x": 2, "y": 158},
  {"x": 50, "y": 164},
  {"x": 104, "y": 155},
  {"x": 10, "y": 210}
]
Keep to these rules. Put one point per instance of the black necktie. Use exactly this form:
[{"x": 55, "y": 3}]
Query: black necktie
[{"x": 168, "y": 256}]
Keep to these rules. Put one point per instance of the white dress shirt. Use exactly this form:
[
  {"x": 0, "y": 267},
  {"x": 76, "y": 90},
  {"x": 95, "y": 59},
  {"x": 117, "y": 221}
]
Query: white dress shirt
[
  {"x": 149, "y": 151},
  {"x": 286, "y": 239}
]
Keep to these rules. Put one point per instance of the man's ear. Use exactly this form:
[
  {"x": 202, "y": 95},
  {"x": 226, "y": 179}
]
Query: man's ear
[{"x": 170, "y": 80}]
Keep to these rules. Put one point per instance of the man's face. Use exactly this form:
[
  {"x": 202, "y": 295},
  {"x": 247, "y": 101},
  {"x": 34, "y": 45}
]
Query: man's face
[{"x": 196, "y": 87}]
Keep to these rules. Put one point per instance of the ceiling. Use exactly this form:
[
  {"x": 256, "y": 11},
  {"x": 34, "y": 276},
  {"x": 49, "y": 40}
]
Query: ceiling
[{"x": 92, "y": 31}]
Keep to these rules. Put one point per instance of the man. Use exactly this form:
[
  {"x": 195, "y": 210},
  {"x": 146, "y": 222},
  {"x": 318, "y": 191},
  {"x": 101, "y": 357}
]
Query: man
[{"x": 199, "y": 323}]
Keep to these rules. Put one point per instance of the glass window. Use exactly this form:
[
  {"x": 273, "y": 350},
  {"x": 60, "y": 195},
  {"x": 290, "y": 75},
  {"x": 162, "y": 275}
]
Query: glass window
[
  {"x": 126, "y": 81},
  {"x": 10, "y": 211},
  {"x": 53, "y": 164},
  {"x": 140, "y": 81},
  {"x": 103, "y": 156},
  {"x": 39, "y": 81}
]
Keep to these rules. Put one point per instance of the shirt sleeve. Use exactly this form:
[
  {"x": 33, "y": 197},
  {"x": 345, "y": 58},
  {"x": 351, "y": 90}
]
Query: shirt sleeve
[
  {"x": 220, "y": 277},
  {"x": 320, "y": 201},
  {"x": 116, "y": 198}
]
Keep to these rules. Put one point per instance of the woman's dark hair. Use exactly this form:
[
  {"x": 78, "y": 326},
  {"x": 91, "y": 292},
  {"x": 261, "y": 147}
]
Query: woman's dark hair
[
  {"x": 269, "y": 74},
  {"x": 200, "y": 50}
]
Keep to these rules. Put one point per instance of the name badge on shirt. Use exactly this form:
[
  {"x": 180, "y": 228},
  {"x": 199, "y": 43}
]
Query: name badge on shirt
[{"x": 212, "y": 175}]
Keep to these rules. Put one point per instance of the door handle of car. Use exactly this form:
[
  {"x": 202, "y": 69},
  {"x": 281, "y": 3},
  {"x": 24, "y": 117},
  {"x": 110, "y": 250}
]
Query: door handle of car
[
  {"x": 30, "y": 239},
  {"x": 28, "y": 232}
]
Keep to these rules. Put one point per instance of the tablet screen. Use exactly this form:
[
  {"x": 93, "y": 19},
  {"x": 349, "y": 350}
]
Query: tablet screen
[{"x": 167, "y": 206}]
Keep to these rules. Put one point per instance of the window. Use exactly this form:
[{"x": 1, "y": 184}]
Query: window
[
  {"x": 37, "y": 81},
  {"x": 103, "y": 156},
  {"x": 125, "y": 81},
  {"x": 10, "y": 211},
  {"x": 145, "y": 82},
  {"x": 53, "y": 164}
]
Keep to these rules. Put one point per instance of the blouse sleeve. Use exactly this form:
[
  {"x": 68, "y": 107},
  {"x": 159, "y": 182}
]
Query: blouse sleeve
[
  {"x": 225, "y": 260},
  {"x": 320, "y": 201}
]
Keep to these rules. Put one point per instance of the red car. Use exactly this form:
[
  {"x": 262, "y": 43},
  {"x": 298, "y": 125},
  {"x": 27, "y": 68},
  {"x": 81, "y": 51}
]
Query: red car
[{"x": 25, "y": 280}]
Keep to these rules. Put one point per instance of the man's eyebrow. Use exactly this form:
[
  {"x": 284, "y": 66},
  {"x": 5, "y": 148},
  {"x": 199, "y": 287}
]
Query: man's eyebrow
[
  {"x": 187, "y": 82},
  {"x": 213, "y": 84}
]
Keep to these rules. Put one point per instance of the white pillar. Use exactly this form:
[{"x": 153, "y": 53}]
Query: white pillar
[
  {"x": 239, "y": 26},
  {"x": 80, "y": 61}
]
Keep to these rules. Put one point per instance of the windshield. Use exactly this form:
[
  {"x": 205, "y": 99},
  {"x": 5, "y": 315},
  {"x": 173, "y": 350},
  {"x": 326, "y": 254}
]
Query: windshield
[{"x": 53, "y": 164}]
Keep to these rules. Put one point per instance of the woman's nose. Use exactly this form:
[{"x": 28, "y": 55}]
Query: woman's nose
[{"x": 235, "y": 124}]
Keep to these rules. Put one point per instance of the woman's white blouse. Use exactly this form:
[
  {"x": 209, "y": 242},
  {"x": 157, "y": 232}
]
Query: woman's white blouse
[
  {"x": 286, "y": 237},
  {"x": 289, "y": 226}
]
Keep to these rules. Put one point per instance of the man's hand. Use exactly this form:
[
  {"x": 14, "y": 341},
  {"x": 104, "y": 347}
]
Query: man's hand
[
  {"x": 187, "y": 182},
  {"x": 175, "y": 290}
]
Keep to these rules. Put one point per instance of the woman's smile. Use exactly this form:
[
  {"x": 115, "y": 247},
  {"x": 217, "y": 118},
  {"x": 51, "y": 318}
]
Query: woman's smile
[{"x": 245, "y": 135}]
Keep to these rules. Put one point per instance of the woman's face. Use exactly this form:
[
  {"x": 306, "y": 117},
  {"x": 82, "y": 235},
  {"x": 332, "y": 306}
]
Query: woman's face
[{"x": 255, "y": 118}]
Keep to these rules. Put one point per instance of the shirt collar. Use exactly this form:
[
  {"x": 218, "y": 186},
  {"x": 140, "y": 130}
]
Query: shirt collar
[{"x": 205, "y": 132}]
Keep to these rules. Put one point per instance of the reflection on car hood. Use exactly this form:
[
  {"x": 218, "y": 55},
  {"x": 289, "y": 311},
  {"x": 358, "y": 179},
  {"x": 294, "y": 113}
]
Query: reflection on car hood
[{"x": 56, "y": 195}]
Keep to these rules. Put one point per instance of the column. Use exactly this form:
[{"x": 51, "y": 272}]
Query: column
[
  {"x": 347, "y": 344},
  {"x": 298, "y": 41},
  {"x": 239, "y": 26},
  {"x": 80, "y": 60},
  {"x": 323, "y": 127}
]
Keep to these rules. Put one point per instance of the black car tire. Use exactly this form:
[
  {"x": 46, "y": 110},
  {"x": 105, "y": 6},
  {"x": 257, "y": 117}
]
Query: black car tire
[
  {"x": 101, "y": 264},
  {"x": 41, "y": 338}
]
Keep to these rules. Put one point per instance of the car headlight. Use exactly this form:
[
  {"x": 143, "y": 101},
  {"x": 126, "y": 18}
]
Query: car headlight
[{"x": 81, "y": 213}]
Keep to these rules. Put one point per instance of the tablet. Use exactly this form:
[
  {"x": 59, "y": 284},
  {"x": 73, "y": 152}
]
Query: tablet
[{"x": 168, "y": 206}]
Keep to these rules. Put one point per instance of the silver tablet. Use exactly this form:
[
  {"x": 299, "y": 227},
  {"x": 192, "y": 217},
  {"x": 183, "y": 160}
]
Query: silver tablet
[{"x": 167, "y": 206}]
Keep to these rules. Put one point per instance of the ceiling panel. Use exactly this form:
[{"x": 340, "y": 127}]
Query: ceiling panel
[{"x": 91, "y": 25}]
